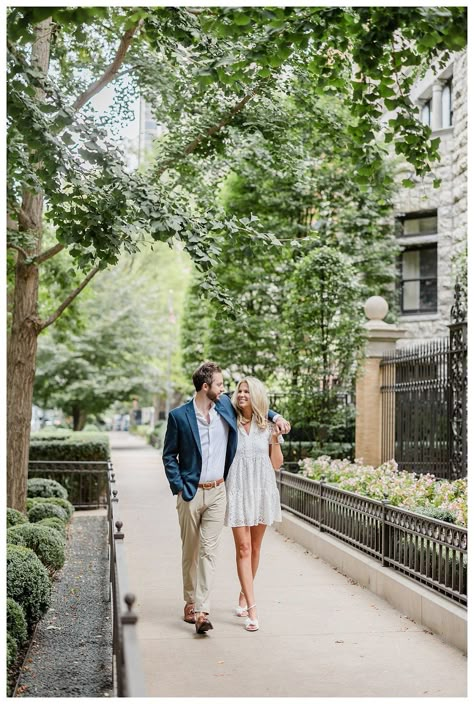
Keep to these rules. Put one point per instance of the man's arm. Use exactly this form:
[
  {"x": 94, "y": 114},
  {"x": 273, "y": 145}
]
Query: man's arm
[
  {"x": 170, "y": 455},
  {"x": 282, "y": 425}
]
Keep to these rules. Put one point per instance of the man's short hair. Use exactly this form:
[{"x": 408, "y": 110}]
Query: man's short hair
[{"x": 204, "y": 374}]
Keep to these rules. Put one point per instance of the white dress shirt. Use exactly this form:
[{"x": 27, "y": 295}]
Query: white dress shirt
[{"x": 213, "y": 437}]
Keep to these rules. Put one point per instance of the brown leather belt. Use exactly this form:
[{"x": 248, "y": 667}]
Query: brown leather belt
[{"x": 210, "y": 485}]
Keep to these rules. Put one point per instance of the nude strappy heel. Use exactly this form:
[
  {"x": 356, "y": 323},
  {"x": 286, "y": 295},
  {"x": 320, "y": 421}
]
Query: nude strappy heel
[{"x": 251, "y": 624}]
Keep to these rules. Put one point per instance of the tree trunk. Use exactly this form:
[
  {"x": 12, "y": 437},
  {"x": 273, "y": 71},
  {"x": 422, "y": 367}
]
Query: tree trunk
[
  {"x": 79, "y": 418},
  {"x": 23, "y": 341}
]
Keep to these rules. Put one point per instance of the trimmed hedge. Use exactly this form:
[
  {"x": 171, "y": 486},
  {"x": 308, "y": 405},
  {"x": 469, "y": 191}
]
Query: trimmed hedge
[
  {"x": 12, "y": 650},
  {"x": 45, "y": 541},
  {"x": 16, "y": 622},
  {"x": 46, "y": 510},
  {"x": 15, "y": 518},
  {"x": 77, "y": 447},
  {"x": 28, "y": 582},
  {"x": 55, "y": 523},
  {"x": 45, "y": 488},
  {"x": 63, "y": 503}
]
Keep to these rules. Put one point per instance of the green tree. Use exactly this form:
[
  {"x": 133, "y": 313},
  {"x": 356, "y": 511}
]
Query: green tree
[
  {"x": 60, "y": 165},
  {"x": 300, "y": 186},
  {"x": 323, "y": 338}
]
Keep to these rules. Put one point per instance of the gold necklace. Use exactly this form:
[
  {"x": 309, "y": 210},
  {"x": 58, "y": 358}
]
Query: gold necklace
[{"x": 244, "y": 421}]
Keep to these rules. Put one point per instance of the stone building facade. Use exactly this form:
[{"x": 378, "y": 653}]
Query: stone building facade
[{"x": 432, "y": 223}]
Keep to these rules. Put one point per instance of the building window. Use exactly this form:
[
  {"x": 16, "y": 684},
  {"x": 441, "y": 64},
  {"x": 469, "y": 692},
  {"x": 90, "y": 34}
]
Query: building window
[
  {"x": 423, "y": 223},
  {"x": 426, "y": 112},
  {"x": 447, "y": 105},
  {"x": 419, "y": 279}
]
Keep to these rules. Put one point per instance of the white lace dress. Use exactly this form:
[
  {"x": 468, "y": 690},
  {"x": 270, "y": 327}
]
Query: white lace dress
[{"x": 252, "y": 493}]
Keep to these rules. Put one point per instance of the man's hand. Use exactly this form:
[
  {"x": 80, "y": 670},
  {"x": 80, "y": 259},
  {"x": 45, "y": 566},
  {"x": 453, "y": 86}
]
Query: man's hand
[{"x": 282, "y": 426}]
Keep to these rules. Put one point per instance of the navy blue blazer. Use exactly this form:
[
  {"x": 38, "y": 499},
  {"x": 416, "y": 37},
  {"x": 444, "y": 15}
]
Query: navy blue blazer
[{"x": 182, "y": 447}]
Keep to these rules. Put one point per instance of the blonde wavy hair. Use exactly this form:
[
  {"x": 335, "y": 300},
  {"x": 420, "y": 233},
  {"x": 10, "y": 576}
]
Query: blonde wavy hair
[{"x": 258, "y": 399}]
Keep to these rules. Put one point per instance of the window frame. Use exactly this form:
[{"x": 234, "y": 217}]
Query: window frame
[{"x": 419, "y": 247}]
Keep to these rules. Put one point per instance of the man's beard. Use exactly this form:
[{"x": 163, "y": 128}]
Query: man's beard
[{"x": 212, "y": 395}]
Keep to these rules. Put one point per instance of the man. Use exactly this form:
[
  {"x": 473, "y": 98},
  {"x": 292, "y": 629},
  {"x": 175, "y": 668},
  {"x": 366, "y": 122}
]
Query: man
[{"x": 200, "y": 444}]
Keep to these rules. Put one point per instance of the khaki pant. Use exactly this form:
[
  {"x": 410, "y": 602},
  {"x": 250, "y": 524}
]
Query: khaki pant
[{"x": 201, "y": 521}]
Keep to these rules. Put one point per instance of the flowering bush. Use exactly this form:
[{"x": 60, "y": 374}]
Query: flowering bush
[{"x": 400, "y": 488}]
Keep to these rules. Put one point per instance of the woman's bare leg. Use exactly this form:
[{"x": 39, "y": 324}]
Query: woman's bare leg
[
  {"x": 256, "y": 534},
  {"x": 243, "y": 555}
]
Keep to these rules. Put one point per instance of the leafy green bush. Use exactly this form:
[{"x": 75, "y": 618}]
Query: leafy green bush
[
  {"x": 28, "y": 582},
  {"x": 70, "y": 446},
  {"x": 41, "y": 510},
  {"x": 47, "y": 488},
  {"x": 12, "y": 650},
  {"x": 16, "y": 622},
  {"x": 441, "y": 514},
  {"x": 55, "y": 523},
  {"x": 45, "y": 541},
  {"x": 63, "y": 503},
  {"x": 15, "y": 518}
]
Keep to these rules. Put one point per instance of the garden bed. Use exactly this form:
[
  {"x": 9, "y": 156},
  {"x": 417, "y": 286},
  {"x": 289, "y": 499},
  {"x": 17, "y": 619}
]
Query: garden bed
[{"x": 441, "y": 499}]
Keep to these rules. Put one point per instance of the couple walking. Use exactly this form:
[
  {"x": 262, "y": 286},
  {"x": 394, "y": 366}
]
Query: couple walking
[{"x": 219, "y": 456}]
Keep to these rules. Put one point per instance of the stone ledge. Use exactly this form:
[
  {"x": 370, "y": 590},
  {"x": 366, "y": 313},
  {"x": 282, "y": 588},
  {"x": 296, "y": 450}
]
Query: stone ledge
[{"x": 427, "y": 608}]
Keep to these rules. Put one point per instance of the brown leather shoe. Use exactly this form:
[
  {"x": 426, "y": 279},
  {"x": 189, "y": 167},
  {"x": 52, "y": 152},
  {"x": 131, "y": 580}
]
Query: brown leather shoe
[
  {"x": 203, "y": 624},
  {"x": 189, "y": 613}
]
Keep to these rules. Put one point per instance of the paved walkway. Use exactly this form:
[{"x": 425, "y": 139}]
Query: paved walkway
[{"x": 320, "y": 634}]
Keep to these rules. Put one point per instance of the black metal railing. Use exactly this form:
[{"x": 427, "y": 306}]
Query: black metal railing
[
  {"x": 429, "y": 551},
  {"x": 85, "y": 482},
  {"x": 128, "y": 675},
  {"x": 424, "y": 402},
  {"x": 415, "y": 392}
]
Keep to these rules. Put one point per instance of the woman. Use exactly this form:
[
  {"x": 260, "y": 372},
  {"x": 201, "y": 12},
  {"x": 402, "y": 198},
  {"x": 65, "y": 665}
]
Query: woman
[{"x": 253, "y": 501}]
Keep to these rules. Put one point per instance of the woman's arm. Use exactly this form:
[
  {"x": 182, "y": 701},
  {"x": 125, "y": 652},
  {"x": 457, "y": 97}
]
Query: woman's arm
[{"x": 276, "y": 455}]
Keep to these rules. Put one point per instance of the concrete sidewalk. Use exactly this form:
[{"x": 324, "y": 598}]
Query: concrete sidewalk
[{"x": 321, "y": 635}]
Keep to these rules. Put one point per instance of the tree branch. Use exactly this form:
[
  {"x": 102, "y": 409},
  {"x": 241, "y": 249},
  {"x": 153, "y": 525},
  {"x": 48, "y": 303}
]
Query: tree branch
[
  {"x": 10, "y": 245},
  {"x": 47, "y": 254},
  {"x": 111, "y": 72},
  {"x": 49, "y": 321},
  {"x": 209, "y": 133}
]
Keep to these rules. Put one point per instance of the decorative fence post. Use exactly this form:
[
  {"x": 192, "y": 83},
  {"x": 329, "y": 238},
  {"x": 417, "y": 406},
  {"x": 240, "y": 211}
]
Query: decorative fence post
[
  {"x": 381, "y": 338},
  {"x": 321, "y": 516},
  {"x": 457, "y": 406}
]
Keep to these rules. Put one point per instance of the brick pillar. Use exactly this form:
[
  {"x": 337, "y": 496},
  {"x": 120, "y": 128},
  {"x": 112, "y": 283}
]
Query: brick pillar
[{"x": 381, "y": 338}]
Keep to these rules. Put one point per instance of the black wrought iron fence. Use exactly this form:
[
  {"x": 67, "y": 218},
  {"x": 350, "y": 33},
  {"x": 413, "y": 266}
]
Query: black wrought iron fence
[
  {"x": 85, "y": 482},
  {"x": 424, "y": 402},
  {"x": 93, "y": 485},
  {"x": 429, "y": 551},
  {"x": 415, "y": 398},
  {"x": 128, "y": 675}
]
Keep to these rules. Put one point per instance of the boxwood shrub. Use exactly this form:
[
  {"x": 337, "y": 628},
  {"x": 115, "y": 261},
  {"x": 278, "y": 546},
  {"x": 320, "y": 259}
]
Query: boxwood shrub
[
  {"x": 47, "y": 488},
  {"x": 16, "y": 622},
  {"x": 41, "y": 510},
  {"x": 28, "y": 582},
  {"x": 46, "y": 542},
  {"x": 15, "y": 518},
  {"x": 12, "y": 650},
  {"x": 76, "y": 447},
  {"x": 63, "y": 503},
  {"x": 55, "y": 523}
]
